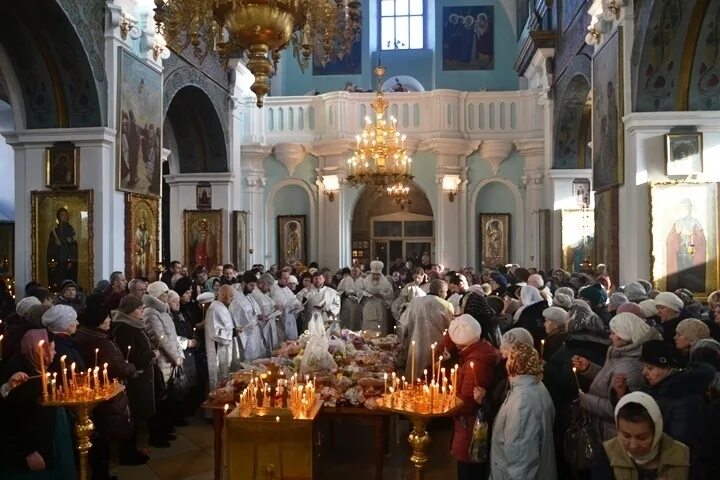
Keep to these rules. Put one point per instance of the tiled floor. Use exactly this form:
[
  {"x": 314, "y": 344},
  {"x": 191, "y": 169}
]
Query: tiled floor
[{"x": 190, "y": 457}]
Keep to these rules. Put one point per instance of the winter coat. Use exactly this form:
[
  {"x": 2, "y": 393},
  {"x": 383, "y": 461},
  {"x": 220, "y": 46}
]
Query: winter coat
[
  {"x": 160, "y": 329},
  {"x": 89, "y": 339},
  {"x": 615, "y": 464},
  {"x": 532, "y": 320},
  {"x": 77, "y": 303},
  {"x": 184, "y": 331},
  {"x": 140, "y": 388},
  {"x": 681, "y": 398},
  {"x": 668, "y": 329},
  {"x": 619, "y": 360},
  {"x": 485, "y": 359},
  {"x": 522, "y": 437},
  {"x": 65, "y": 345},
  {"x": 552, "y": 344}
]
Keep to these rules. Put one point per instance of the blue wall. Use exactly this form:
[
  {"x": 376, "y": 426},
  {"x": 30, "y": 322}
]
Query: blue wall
[{"x": 425, "y": 65}]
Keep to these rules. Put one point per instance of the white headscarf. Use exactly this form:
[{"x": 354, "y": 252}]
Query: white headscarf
[
  {"x": 529, "y": 295},
  {"x": 647, "y": 402},
  {"x": 629, "y": 327}
]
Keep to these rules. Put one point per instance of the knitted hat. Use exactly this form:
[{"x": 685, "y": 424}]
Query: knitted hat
[
  {"x": 24, "y": 306},
  {"x": 616, "y": 299},
  {"x": 693, "y": 329},
  {"x": 633, "y": 308},
  {"x": 669, "y": 300},
  {"x": 566, "y": 291},
  {"x": 524, "y": 360},
  {"x": 635, "y": 292},
  {"x": 563, "y": 301},
  {"x": 182, "y": 285},
  {"x": 706, "y": 350},
  {"x": 129, "y": 303},
  {"x": 59, "y": 318},
  {"x": 155, "y": 289},
  {"x": 629, "y": 327},
  {"x": 556, "y": 315},
  {"x": 536, "y": 281},
  {"x": 685, "y": 295},
  {"x": 662, "y": 354},
  {"x": 67, "y": 284},
  {"x": 649, "y": 308},
  {"x": 96, "y": 311},
  {"x": 464, "y": 330},
  {"x": 595, "y": 294}
]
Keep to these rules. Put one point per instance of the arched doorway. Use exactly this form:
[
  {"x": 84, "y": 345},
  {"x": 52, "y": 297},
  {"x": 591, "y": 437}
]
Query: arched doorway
[{"x": 382, "y": 230}]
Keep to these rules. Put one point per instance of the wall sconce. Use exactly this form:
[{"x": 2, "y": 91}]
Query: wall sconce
[
  {"x": 331, "y": 185},
  {"x": 159, "y": 48},
  {"x": 128, "y": 25},
  {"x": 450, "y": 184}
]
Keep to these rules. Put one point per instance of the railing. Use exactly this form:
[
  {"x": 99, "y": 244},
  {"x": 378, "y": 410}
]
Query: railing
[{"x": 420, "y": 115}]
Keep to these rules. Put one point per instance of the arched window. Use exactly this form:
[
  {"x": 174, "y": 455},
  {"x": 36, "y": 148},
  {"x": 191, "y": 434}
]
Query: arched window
[{"x": 402, "y": 24}]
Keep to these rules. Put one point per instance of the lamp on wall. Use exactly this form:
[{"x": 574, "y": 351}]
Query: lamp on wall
[
  {"x": 331, "y": 185},
  {"x": 450, "y": 184}
]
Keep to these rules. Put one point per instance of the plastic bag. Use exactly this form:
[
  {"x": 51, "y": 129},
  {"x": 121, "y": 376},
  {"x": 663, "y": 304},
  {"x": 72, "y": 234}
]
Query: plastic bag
[
  {"x": 177, "y": 385},
  {"x": 478, "y": 451},
  {"x": 582, "y": 439},
  {"x": 316, "y": 356}
]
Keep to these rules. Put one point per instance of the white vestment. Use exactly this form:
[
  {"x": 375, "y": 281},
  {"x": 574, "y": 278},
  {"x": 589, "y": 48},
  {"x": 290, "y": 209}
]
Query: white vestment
[
  {"x": 219, "y": 332},
  {"x": 408, "y": 292},
  {"x": 424, "y": 321},
  {"x": 454, "y": 300},
  {"x": 351, "y": 310},
  {"x": 324, "y": 300},
  {"x": 269, "y": 326},
  {"x": 376, "y": 303},
  {"x": 286, "y": 300},
  {"x": 245, "y": 311}
]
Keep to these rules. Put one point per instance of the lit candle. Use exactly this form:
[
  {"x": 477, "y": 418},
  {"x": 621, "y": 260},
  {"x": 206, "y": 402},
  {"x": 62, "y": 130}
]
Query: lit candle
[
  {"x": 577, "y": 382},
  {"x": 385, "y": 383},
  {"x": 127, "y": 359},
  {"x": 63, "y": 372},
  {"x": 542, "y": 349},
  {"x": 439, "y": 364},
  {"x": 72, "y": 373},
  {"x": 432, "y": 362},
  {"x": 96, "y": 356},
  {"x": 425, "y": 373},
  {"x": 277, "y": 419},
  {"x": 412, "y": 361},
  {"x": 105, "y": 375},
  {"x": 472, "y": 367},
  {"x": 43, "y": 379},
  {"x": 225, "y": 410}
]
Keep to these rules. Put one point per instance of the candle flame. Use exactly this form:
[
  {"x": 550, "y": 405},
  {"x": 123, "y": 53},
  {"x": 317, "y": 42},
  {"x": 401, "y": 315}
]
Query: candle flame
[{"x": 41, "y": 343}]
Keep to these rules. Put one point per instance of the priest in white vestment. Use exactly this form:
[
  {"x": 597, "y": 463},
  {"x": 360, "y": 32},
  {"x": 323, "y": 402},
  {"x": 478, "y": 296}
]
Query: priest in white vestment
[
  {"x": 319, "y": 298},
  {"x": 261, "y": 293},
  {"x": 219, "y": 333},
  {"x": 287, "y": 302},
  {"x": 248, "y": 315},
  {"x": 378, "y": 295},
  {"x": 348, "y": 289},
  {"x": 425, "y": 322},
  {"x": 411, "y": 290}
]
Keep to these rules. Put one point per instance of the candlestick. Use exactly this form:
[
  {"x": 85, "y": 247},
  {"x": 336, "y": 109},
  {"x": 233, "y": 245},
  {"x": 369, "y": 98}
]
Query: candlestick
[
  {"x": 127, "y": 359},
  {"x": 542, "y": 349},
  {"x": 432, "y": 362},
  {"x": 577, "y": 382},
  {"x": 96, "y": 356},
  {"x": 43, "y": 379},
  {"x": 412, "y": 361},
  {"x": 105, "y": 375}
]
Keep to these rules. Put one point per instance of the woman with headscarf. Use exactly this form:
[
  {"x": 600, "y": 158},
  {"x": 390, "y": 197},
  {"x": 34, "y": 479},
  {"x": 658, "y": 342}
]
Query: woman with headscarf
[
  {"x": 522, "y": 436},
  {"x": 212, "y": 285},
  {"x": 36, "y": 440},
  {"x": 61, "y": 320},
  {"x": 529, "y": 316},
  {"x": 641, "y": 450},
  {"x": 556, "y": 320},
  {"x": 628, "y": 333},
  {"x": 466, "y": 333},
  {"x": 188, "y": 344}
]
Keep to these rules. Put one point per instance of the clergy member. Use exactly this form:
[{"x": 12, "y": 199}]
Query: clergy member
[
  {"x": 219, "y": 333},
  {"x": 319, "y": 298},
  {"x": 261, "y": 294},
  {"x": 416, "y": 288},
  {"x": 286, "y": 301},
  {"x": 348, "y": 288},
  {"x": 250, "y": 319},
  {"x": 424, "y": 322},
  {"x": 378, "y": 295}
]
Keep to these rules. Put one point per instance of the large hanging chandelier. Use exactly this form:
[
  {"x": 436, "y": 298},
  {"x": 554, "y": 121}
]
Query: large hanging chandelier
[
  {"x": 380, "y": 159},
  {"x": 260, "y": 29},
  {"x": 400, "y": 193}
]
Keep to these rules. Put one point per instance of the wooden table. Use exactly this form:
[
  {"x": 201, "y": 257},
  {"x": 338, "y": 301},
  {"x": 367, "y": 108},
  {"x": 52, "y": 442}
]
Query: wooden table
[{"x": 379, "y": 419}]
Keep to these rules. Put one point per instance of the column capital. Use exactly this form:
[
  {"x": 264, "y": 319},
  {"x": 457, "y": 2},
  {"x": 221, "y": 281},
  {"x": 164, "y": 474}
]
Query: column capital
[
  {"x": 533, "y": 151},
  {"x": 533, "y": 178},
  {"x": 451, "y": 151},
  {"x": 495, "y": 152},
  {"x": 252, "y": 156},
  {"x": 290, "y": 155}
]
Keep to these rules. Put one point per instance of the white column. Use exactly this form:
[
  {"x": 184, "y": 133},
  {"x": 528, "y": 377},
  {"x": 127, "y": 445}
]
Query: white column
[
  {"x": 533, "y": 151},
  {"x": 254, "y": 180}
]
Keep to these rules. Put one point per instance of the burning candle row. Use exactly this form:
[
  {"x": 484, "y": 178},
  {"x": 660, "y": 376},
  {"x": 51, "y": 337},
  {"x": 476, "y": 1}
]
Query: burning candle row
[
  {"x": 298, "y": 397},
  {"x": 435, "y": 396}
]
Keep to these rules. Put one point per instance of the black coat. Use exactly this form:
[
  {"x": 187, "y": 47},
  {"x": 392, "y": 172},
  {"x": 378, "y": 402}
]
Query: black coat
[
  {"x": 88, "y": 339},
  {"x": 681, "y": 398},
  {"x": 185, "y": 329},
  {"x": 532, "y": 320},
  {"x": 668, "y": 329},
  {"x": 140, "y": 388},
  {"x": 65, "y": 345}
]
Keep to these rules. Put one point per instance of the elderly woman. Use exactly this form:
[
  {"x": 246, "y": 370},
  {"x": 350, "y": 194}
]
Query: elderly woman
[
  {"x": 522, "y": 438},
  {"x": 688, "y": 332},
  {"x": 529, "y": 315},
  {"x": 556, "y": 320},
  {"x": 669, "y": 307},
  {"x": 188, "y": 344},
  {"x": 61, "y": 320},
  {"x": 466, "y": 333},
  {"x": 641, "y": 449},
  {"x": 36, "y": 440},
  {"x": 628, "y": 333}
]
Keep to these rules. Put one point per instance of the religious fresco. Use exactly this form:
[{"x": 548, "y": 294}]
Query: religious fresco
[
  {"x": 142, "y": 236},
  {"x": 607, "y": 241},
  {"x": 292, "y": 238},
  {"x": 203, "y": 238},
  {"x": 62, "y": 238},
  {"x": 569, "y": 11},
  {"x": 607, "y": 113},
  {"x": 684, "y": 236},
  {"x": 705, "y": 78},
  {"x": 240, "y": 240},
  {"x": 577, "y": 238},
  {"x": 569, "y": 135},
  {"x": 139, "y": 164},
  {"x": 468, "y": 38},
  {"x": 494, "y": 239}
]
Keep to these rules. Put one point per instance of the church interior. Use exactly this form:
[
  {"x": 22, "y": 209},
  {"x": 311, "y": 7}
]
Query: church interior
[{"x": 296, "y": 209}]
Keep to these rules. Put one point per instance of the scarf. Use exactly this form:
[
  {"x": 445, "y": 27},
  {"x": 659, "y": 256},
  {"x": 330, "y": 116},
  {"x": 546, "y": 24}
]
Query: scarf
[
  {"x": 647, "y": 402},
  {"x": 529, "y": 295},
  {"x": 29, "y": 343},
  {"x": 524, "y": 360}
]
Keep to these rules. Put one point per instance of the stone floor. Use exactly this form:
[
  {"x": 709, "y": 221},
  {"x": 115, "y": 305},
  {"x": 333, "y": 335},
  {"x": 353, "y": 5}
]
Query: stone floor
[{"x": 190, "y": 457}]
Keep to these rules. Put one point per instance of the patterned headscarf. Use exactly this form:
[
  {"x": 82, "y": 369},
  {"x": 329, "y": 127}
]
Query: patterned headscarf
[
  {"x": 584, "y": 320},
  {"x": 524, "y": 360}
]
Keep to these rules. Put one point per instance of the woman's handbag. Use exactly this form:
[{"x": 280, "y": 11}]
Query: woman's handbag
[
  {"x": 478, "y": 451},
  {"x": 177, "y": 385},
  {"x": 582, "y": 439}
]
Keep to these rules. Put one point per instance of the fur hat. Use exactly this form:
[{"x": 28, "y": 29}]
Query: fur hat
[
  {"x": 376, "y": 266},
  {"x": 129, "y": 303},
  {"x": 464, "y": 330},
  {"x": 182, "y": 285},
  {"x": 669, "y": 300},
  {"x": 662, "y": 354},
  {"x": 693, "y": 329},
  {"x": 96, "y": 311}
]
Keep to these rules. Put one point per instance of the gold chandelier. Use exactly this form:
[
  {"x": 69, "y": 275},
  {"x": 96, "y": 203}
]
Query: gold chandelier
[
  {"x": 400, "y": 193},
  {"x": 260, "y": 29},
  {"x": 380, "y": 159}
]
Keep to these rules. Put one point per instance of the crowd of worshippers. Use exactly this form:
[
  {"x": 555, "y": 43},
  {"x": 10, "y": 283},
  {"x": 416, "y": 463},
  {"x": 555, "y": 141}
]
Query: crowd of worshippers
[{"x": 573, "y": 376}]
